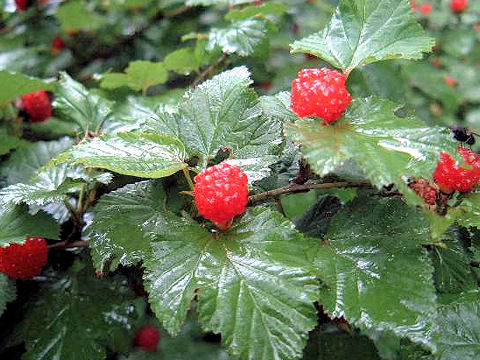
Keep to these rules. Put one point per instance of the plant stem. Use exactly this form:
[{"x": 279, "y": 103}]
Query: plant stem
[
  {"x": 66, "y": 244},
  {"x": 294, "y": 188},
  {"x": 186, "y": 172},
  {"x": 80, "y": 199},
  {"x": 204, "y": 74}
]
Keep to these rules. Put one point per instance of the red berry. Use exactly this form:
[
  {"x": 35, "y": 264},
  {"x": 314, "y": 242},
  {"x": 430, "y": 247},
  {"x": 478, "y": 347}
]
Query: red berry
[
  {"x": 449, "y": 176},
  {"x": 414, "y": 5},
  {"x": 57, "y": 44},
  {"x": 221, "y": 193},
  {"x": 22, "y": 261},
  {"x": 426, "y": 8},
  {"x": 450, "y": 81},
  {"x": 458, "y": 6},
  {"x": 147, "y": 337},
  {"x": 427, "y": 192},
  {"x": 320, "y": 92},
  {"x": 22, "y": 5},
  {"x": 37, "y": 105}
]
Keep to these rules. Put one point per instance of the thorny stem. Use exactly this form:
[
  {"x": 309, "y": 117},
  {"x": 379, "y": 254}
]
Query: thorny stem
[
  {"x": 208, "y": 71},
  {"x": 186, "y": 172},
  {"x": 294, "y": 188},
  {"x": 66, "y": 244}
]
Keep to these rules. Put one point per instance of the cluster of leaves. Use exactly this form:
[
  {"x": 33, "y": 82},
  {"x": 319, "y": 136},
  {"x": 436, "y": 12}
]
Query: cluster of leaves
[{"x": 136, "y": 115}]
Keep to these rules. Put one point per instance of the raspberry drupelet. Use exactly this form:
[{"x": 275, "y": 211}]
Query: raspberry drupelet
[
  {"x": 320, "y": 92},
  {"x": 221, "y": 193},
  {"x": 22, "y": 261}
]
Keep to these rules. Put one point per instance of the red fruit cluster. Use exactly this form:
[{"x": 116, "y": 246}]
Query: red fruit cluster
[
  {"x": 38, "y": 105},
  {"x": 458, "y": 6},
  {"x": 57, "y": 44},
  {"x": 427, "y": 192},
  {"x": 449, "y": 176},
  {"x": 147, "y": 338},
  {"x": 22, "y": 261},
  {"x": 221, "y": 193},
  {"x": 23, "y": 5},
  {"x": 320, "y": 92}
]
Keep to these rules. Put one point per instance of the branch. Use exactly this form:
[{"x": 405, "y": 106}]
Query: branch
[
  {"x": 65, "y": 244},
  {"x": 294, "y": 188},
  {"x": 202, "y": 76}
]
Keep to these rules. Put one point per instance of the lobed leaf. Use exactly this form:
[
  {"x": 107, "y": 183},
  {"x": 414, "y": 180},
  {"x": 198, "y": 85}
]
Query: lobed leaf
[
  {"x": 385, "y": 146},
  {"x": 16, "y": 84},
  {"x": 365, "y": 31}
]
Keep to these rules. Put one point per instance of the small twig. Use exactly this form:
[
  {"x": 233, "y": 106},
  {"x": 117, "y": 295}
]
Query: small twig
[
  {"x": 66, "y": 244},
  {"x": 294, "y": 188},
  {"x": 186, "y": 172},
  {"x": 204, "y": 74},
  {"x": 178, "y": 11},
  {"x": 73, "y": 212}
]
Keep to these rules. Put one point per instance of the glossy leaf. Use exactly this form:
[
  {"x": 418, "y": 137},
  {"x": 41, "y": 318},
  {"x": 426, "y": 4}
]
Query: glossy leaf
[
  {"x": 24, "y": 163},
  {"x": 74, "y": 16},
  {"x": 16, "y": 223},
  {"x": 8, "y": 142},
  {"x": 77, "y": 317},
  {"x": 366, "y": 31},
  {"x": 241, "y": 37},
  {"x": 468, "y": 212},
  {"x": 134, "y": 153},
  {"x": 224, "y": 113},
  {"x": 7, "y": 292},
  {"x": 451, "y": 261},
  {"x": 385, "y": 146},
  {"x": 458, "y": 333},
  {"x": 254, "y": 284},
  {"x": 139, "y": 75},
  {"x": 116, "y": 235},
  {"x": 77, "y": 104},
  {"x": 16, "y": 84},
  {"x": 376, "y": 273}
]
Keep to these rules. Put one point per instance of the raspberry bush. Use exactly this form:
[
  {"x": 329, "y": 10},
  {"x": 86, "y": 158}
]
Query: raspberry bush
[{"x": 235, "y": 179}]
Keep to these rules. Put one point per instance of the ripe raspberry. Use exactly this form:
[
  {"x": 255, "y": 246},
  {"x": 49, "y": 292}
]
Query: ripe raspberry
[
  {"x": 37, "y": 105},
  {"x": 449, "y": 176},
  {"x": 21, "y": 261},
  {"x": 23, "y": 5},
  {"x": 320, "y": 92},
  {"x": 57, "y": 44},
  {"x": 221, "y": 193},
  {"x": 147, "y": 337},
  {"x": 427, "y": 192},
  {"x": 458, "y": 6},
  {"x": 450, "y": 81},
  {"x": 426, "y": 8}
]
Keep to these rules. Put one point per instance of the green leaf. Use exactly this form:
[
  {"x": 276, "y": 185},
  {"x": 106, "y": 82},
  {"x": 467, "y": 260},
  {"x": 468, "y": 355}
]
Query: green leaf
[
  {"x": 77, "y": 317},
  {"x": 116, "y": 233},
  {"x": 452, "y": 265},
  {"x": 182, "y": 61},
  {"x": 457, "y": 335},
  {"x": 134, "y": 153},
  {"x": 468, "y": 212},
  {"x": 376, "y": 274},
  {"x": 365, "y": 31},
  {"x": 75, "y": 103},
  {"x": 8, "y": 292},
  {"x": 216, "y": 2},
  {"x": 16, "y": 223},
  {"x": 458, "y": 42},
  {"x": 16, "y": 84},
  {"x": 77, "y": 15},
  {"x": 265, "y": 9},
  {"x": 224, "y": 113},
  {"x": 385, "y": 146},
  {"x": 24, "y": 163},
  {"x": 8, "y": 142},
  {"x": 139, "y": 75},
  {"x": 254, "y": 284},
  {"x": 241, "y": 37}
]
